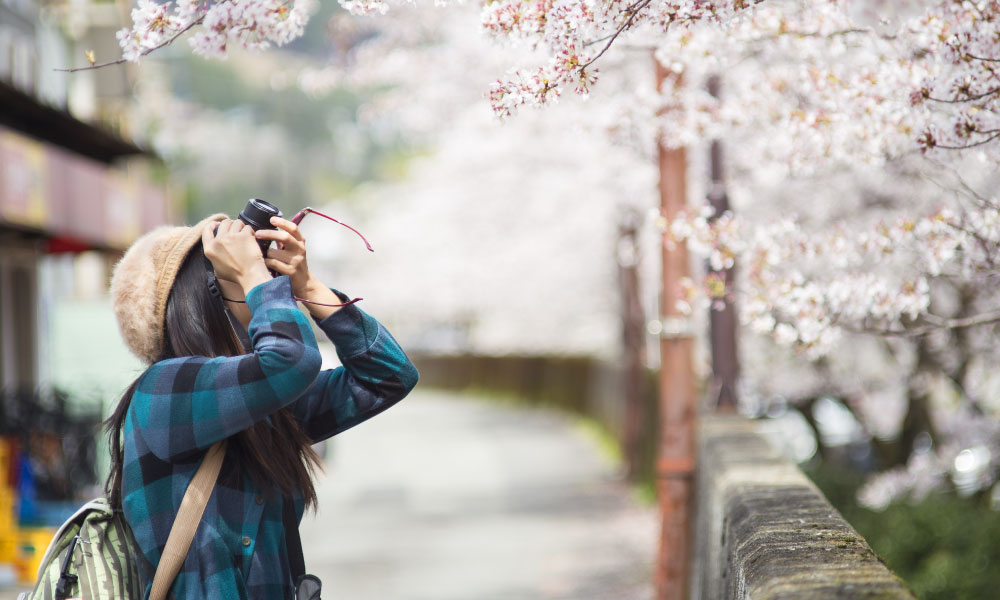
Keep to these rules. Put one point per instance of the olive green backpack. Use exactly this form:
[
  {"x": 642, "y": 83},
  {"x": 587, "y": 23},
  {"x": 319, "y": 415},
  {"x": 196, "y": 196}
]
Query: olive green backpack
[{"x": 93, "y": 554}]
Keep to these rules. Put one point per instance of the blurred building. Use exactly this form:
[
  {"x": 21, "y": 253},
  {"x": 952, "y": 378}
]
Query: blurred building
[
  {"x": 70, "y": 181},
  {"x": 74, "y": 192}
]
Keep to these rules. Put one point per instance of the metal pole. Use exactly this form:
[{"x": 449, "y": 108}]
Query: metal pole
[
  {"x": 675, "y": 464},
  {"x": 725, "y": 360},
  {"x": 633, "y": 340}
]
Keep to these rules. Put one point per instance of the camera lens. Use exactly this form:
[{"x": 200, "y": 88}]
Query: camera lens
[{"x": 258, "y": 213}]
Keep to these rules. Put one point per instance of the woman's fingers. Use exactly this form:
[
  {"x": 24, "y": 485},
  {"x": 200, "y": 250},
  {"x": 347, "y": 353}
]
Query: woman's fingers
[
  {"x": 207, "y": 236},
  {"x": 285, "y": 256},
  {"x": 234, "y": 253},
  {"x": 289, "y": 258},
  {"x": 277, "y": 235},
  {"x": 287, "y": 234},
  {"x": 283, "y": 238},
  {"x": 293, "y": 263},
  {"x": 279, "y": 267},
  {"x": 288, "y": 226}
]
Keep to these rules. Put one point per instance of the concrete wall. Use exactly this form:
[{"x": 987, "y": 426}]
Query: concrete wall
[{"x": 764, "y": 531}]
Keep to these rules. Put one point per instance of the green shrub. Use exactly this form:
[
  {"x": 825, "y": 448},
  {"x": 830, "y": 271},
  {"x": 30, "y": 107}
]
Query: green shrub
[{"x": 945, "y": 547}]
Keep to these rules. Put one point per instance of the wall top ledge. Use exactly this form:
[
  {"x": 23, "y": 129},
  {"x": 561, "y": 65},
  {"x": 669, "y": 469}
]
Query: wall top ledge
[{"x": 764, "y": 531}]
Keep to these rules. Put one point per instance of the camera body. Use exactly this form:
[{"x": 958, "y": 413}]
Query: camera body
[{"x": 257, "y": 214}]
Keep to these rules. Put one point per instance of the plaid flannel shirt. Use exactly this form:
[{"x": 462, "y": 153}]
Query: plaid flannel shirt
[{"x": 182, "y": 406}]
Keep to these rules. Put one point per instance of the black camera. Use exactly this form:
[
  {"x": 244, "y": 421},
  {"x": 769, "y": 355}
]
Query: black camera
[{"x": 257, "y": 214}]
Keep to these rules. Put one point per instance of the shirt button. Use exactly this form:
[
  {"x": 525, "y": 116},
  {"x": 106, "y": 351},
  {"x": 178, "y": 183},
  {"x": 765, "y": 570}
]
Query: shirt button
[
  {"x": 259, "y": 499},
  {"x": 246, "y": 541}
]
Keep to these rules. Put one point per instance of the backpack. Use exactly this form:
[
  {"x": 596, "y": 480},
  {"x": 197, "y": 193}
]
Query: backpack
[{"x": 92, "y": 556}]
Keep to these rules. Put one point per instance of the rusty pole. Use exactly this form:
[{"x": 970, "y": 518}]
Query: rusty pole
[
  {"x": 633, "y": 340},
  {"x": 725, "y": 359},
  {"x": 675, "y": 463}
]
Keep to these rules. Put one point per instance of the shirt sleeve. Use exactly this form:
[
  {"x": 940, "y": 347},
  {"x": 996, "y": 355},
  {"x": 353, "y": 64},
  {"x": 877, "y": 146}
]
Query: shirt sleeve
[
  {"x": 375, "y": 375},
  {"x": 184, "y": 405}
]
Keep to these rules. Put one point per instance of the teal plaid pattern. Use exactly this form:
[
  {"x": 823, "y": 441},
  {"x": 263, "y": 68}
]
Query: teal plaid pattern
[{"x": 182, "y": 406}]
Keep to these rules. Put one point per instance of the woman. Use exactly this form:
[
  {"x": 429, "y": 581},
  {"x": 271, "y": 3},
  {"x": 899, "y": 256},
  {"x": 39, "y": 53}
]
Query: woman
[{"x": 270, "y": 401}]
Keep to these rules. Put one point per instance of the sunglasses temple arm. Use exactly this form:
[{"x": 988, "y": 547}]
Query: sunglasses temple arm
[{"x": 302, "y": 213}]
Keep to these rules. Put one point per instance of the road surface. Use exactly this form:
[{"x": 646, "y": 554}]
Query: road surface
[{"x": 454, "y": 498}]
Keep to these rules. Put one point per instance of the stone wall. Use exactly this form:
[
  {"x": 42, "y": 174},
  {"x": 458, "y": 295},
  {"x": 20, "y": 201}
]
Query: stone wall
[{"x": 763, "y": 530}]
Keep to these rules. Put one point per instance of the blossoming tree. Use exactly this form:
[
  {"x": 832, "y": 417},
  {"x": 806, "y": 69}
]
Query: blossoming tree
[{"x": 860, "y": 147}]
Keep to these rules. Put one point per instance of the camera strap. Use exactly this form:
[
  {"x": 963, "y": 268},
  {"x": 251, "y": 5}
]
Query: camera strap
[
  {"x": 293, "y": 540},
  {"x": 216, "y": 291},
  {"x": 307, "y": 587}
]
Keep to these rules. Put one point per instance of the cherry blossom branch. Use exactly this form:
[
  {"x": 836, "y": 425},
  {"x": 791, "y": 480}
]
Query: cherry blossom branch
[
  {"x": 145, "y": 52},
  {"x": 632, "y": 12},
  {"x": 982, "y": 200},
  {"x": 987, "y": 246},
  {"x": 839, "y": 33},
  {"x": 964, "y": 100},
  {"x": 600, "y": 39},
  {"x": 971, "y": 192},
  {"x": 815, "y": 34},
  {"x": 935, "y": 323},
  {"x": 972, "y": 145}
]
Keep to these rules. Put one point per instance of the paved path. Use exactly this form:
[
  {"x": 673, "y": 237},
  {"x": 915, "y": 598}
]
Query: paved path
[
  {"x": 449, "y": 498},
  {"x": 452, "y": 498}
]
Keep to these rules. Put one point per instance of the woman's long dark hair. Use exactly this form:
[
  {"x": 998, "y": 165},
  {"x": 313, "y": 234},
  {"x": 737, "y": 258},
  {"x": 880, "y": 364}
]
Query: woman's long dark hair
[{"x": 278, "y": 456}]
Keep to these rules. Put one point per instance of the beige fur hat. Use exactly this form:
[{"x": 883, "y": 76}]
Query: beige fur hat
[{"x": 141, "y": 284}]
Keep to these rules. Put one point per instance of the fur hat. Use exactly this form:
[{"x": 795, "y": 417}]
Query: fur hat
[{"x": 141, "y": 282}]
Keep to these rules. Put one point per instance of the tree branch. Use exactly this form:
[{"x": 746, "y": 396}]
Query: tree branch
[
  {"x": 816, "y": 34},
  {"x": 632, "y": 12},
  {"x": 934, "y": 323},
  {"x": 966, "y": 187},
  {"x": 145, "y": 52},
  {"x": 973, "y": 145},
  {"x": 967, "y": 99}
]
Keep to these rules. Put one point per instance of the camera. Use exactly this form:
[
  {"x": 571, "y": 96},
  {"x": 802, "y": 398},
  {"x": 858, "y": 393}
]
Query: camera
[{"x": 257, "y": 214}]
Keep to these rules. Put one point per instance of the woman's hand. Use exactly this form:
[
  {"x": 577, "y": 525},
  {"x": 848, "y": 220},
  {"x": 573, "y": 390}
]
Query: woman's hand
[
  {"x": 235, "y": 254},
  {"x": 289, "y": 258}
]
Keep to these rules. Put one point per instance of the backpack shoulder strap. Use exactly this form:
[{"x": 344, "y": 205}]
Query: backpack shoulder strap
[{"x": 186, "y": 522}]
